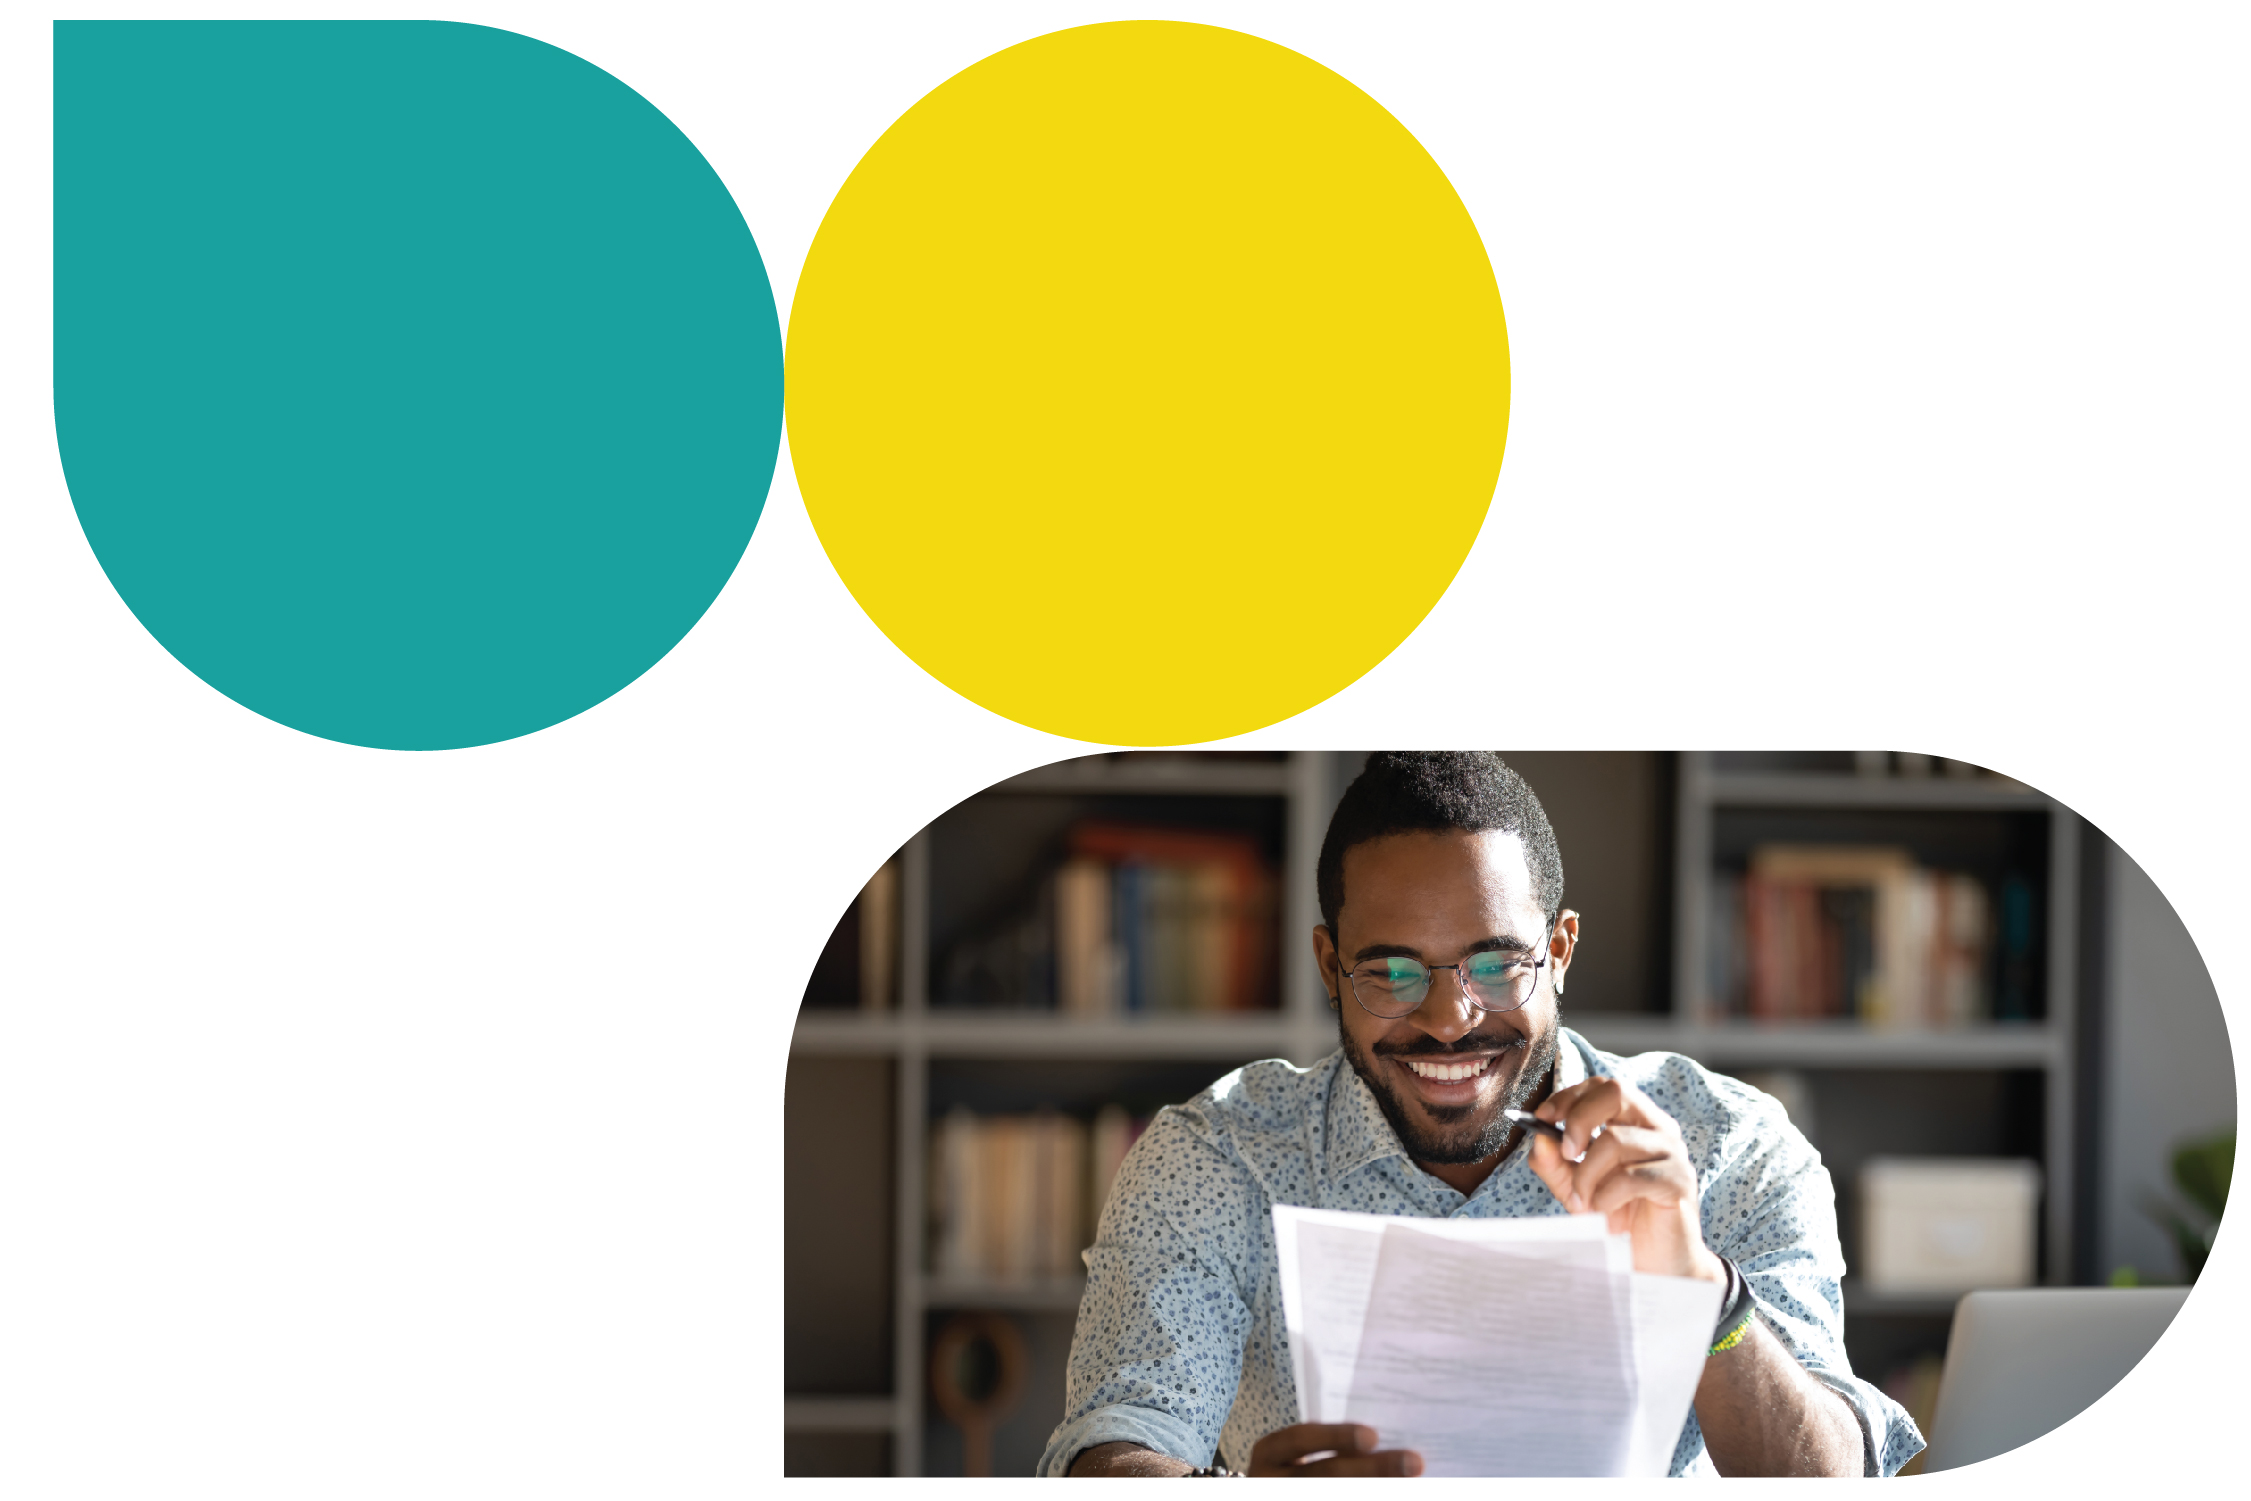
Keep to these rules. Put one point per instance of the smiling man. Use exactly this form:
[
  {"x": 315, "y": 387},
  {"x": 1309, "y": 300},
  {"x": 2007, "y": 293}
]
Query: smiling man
[{"x": 1445, "y": 947}]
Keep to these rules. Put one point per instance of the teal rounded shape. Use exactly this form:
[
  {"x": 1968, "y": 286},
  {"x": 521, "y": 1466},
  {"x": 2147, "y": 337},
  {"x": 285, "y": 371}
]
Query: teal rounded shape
[{"x": 418, "y": 385}]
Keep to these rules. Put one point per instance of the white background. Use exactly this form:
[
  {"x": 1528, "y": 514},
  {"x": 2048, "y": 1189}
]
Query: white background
[{"x": 376, "y": 1124}]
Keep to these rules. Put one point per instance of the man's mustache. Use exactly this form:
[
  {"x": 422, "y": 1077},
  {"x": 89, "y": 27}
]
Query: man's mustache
[{"x": 1427, "y": 1046}]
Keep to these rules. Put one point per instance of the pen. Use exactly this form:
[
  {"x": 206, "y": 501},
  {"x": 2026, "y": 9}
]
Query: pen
[{"x": 1531, "y": 1122}]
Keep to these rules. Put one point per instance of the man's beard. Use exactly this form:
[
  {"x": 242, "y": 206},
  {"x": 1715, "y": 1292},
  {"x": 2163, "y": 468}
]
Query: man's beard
[{"x": 1459, "y": 1137}]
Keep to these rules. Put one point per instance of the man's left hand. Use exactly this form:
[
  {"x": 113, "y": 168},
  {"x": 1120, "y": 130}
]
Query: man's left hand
[{"x": 1636, "y": 1171}]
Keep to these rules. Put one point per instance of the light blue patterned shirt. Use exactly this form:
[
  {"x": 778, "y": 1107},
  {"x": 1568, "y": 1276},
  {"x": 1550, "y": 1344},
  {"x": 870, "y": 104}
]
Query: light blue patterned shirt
[{"x": 1181, "y": 1345}]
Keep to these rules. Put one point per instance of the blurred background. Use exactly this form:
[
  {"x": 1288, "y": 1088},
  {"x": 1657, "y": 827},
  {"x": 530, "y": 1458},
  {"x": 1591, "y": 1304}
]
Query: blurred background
[{"x": 1983, "y": 1014}]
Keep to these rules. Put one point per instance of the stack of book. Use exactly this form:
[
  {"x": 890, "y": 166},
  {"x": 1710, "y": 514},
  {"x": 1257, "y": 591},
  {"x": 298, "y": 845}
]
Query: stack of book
[
  {"x": 1150, "y": 919},
  {"x": 1135, "y": 918},
  {"x": 1814, "y": 932},
  {"x": 1016, "y": 1197}
]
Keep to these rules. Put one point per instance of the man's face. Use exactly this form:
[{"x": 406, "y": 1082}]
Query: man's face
[{"x": 1440, "y": 897}]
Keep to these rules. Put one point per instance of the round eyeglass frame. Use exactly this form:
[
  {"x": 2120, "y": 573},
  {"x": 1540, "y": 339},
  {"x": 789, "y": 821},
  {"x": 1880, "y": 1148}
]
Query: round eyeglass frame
[{"x": 1461, "y": 982}]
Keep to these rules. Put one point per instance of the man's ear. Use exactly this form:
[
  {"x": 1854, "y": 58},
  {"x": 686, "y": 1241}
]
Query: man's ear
[
  {"x": 1325, "y": 958},
  {"x": 1562, "y": 944}
]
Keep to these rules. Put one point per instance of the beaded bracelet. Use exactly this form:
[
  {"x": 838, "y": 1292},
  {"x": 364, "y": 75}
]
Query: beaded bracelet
[{"x": 1736, "y": 1313}]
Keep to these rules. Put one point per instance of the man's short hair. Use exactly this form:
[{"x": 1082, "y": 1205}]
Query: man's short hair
[{"x": 1407, "y": 792}]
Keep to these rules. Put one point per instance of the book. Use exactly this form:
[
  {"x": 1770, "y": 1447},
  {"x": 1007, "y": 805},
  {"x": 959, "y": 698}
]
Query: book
[
  {"x": 1112, "y": 1135},
  {"x": 1088, "y": 965},
  {"x": 2017, "y": 984},
  {"x": 879, "y": 938},
  {"x": 1726, "y": 946}
]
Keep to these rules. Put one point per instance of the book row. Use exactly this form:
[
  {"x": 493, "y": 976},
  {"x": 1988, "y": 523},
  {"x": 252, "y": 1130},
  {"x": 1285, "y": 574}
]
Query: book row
[
  {"x": 1014, "y": 1197},
  {"x": 1812, "y": 932},
  {"x": 1134, "y": 918}
]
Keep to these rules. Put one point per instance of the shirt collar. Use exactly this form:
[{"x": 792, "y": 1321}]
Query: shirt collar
[
  {"x": 1359, "y": 1134},
  {"x": 1570, "y": 1058}
]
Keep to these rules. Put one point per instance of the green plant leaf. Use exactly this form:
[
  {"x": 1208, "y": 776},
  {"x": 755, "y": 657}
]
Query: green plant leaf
[
  {"x": 2201, "y": 1171},
  {"x": 2192, "y": 1245}
]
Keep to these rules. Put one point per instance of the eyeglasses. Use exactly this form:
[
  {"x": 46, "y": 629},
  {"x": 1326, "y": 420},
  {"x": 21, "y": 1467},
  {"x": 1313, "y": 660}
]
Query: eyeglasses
[{"x": 1394, "y": 987}]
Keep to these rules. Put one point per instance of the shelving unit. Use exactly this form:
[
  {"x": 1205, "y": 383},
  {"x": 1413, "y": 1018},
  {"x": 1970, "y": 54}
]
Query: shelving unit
[
  {"x": 1874, "y": 1090},
  {"x": 917, "y": 1036},
  {"x": 2044, "y": 1046}
]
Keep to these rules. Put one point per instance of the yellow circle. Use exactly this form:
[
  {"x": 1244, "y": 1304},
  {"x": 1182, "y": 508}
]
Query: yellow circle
[{"x": 1147, "y": 383}]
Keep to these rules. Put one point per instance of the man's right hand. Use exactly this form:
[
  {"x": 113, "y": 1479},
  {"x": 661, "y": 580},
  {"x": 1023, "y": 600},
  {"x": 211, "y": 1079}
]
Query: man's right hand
[{"x": 1329, "y": 1449}]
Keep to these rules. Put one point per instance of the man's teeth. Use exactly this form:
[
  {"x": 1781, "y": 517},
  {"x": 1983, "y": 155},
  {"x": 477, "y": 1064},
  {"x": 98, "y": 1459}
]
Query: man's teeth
[{"x": 1448, "y": 1070}]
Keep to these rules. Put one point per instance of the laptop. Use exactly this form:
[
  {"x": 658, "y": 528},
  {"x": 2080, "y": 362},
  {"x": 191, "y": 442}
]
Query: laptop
[{"x": 2022, "y": 1362}]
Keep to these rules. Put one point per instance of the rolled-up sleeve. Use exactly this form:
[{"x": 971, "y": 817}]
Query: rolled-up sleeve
[
  {"x": 1159, "y": 1347},
  {"x": 1777, "y": 1211}
]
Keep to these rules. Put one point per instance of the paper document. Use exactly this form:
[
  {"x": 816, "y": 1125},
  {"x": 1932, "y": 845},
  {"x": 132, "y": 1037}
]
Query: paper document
[
  {"x": 1323, "y": 1307},
  {"x": 1491, "y": 1347}
]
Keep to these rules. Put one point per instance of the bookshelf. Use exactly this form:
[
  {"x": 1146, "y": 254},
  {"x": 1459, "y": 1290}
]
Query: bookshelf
[
  {"x": 935, "y": 1054},
  {"x": 1852, "y": 806},
  {"x": 1999, "y": 1088},
  {"x": 1993, "y": 1087}
]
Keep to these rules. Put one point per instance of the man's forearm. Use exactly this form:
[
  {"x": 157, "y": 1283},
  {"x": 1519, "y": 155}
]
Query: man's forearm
[
  {"x": 1127, "y": 1459},
  {"x": 1763, "y": 1414}
]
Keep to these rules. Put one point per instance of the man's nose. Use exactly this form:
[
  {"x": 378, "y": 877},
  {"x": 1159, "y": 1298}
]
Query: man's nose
[{"x": 1446, "y": 1013}]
